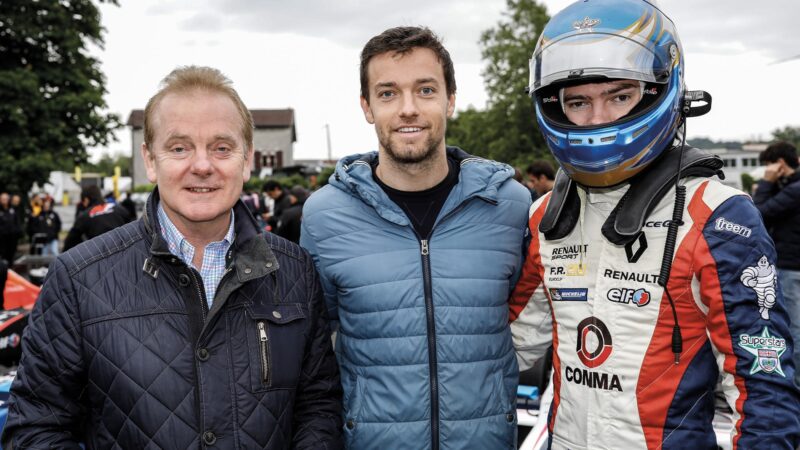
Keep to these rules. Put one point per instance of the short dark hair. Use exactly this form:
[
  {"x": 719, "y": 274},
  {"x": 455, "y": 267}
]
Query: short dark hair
[
  {"x": 780, "y": 150},
  {"x": 403, "y": 40},
  {"x": 539, "y": 168},
  {"x": 271, "y": 185},
  {"x": 92, "y": 193}
]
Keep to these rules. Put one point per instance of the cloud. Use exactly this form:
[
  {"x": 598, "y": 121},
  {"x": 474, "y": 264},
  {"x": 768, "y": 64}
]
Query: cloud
[
  {"x": 724, "y": 26},
  {"x": 347, "y": 23}
]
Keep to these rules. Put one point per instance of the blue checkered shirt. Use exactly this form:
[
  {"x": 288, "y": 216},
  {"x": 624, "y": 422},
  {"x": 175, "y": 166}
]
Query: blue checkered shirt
[{"x": 213, "y": 255}]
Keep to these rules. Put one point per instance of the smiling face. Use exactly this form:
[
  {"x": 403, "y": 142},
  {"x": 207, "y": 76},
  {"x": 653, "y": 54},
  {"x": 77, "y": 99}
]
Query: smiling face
[
  {"x": 408, "y": 105},
  {"x": 600, "y": 103},
  {"x": 198, "y": 159}
]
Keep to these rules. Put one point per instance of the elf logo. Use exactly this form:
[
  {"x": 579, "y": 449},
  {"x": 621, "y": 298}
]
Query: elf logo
[{"x": 639, "y": 297}]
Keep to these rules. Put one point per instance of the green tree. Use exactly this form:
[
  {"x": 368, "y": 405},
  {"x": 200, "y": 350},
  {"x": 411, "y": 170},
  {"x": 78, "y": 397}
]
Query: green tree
[
  {"x": 51, "y": 89},
  {"x": 107, "y": 163},
  {"x": 506, "y": 130},
  {"x": 788, "y": 134}
]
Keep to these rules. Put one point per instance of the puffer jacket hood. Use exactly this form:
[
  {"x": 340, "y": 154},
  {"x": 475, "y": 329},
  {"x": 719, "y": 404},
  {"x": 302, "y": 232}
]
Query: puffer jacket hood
[{"x": 353, "y": 174}]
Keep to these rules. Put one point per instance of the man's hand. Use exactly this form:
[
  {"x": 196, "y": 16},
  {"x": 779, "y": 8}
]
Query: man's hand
[{"x": 774, "y": 171}]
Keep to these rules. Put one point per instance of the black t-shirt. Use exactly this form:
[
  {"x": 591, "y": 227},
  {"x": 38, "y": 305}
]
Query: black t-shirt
[{"x": 422, "y": 207}]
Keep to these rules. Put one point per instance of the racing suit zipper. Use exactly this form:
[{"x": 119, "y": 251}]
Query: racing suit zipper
[
  {"x": 432, "y": 366},
  {"x": 264, "y": 346}
]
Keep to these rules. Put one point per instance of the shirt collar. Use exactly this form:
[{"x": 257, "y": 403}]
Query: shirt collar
[{"x": 177, "y": 243}]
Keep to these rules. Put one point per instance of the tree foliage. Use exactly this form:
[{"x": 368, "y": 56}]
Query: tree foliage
[
  {"x": 506, "y": 130},
  {"x": 789, "y": 134},
  {"x": 51, "y": 89},
  {"x": 107, "y": 163}
]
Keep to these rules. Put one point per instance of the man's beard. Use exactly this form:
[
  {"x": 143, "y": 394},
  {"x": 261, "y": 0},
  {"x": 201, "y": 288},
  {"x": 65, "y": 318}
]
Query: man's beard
[{"x": 411, "y": 158}]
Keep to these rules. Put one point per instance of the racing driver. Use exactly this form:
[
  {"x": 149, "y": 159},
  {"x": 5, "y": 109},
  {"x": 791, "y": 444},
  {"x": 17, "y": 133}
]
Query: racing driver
[{"x": 656, "y": 281}]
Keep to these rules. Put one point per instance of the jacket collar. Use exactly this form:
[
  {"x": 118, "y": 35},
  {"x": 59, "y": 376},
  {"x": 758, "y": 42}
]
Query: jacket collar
[
  {"x": 252, "y": 258},
  {"x": 477, "y": 177}
]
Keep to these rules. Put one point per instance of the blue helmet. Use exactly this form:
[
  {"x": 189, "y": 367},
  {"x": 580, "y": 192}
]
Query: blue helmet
[{"x": 602, "y": 40}]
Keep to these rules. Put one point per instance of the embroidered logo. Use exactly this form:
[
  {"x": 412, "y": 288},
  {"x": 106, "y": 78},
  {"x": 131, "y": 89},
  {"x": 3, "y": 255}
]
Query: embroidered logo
[
  {"x": 767, "y": 349},
  {"x": 762, "y": 279},
  {"x": 723, "y": 224}
]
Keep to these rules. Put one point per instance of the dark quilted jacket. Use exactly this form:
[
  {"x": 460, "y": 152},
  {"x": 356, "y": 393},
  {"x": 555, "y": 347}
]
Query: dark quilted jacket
[
  {"x": 779, "y": 204},
  {"x": 122, "y": 351}
]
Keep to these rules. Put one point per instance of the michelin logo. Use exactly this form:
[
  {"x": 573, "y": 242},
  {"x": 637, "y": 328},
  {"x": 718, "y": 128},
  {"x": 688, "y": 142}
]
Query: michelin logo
[
  {"x": 722, "y": 224},
  {"x": 762, "y": 279},
  {"x": 569, "y": 294}
]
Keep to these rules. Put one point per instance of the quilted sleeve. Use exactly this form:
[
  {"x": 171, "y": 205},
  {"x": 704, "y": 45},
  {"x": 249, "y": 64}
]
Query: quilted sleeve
[
  {"x": 317, "y": 420},
  {"x": 45, "y": 409},
  {"x": 329, "y": 290},
  {"x": 749, "y": 326}
]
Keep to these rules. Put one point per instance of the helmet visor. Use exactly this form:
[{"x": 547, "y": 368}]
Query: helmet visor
[{"x": 597, "y": 54}]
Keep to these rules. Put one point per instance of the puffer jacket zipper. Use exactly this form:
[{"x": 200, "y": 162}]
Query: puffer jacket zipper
[
  {"x": 432, "y": 364},
  {"x": 431, "y": 322}
]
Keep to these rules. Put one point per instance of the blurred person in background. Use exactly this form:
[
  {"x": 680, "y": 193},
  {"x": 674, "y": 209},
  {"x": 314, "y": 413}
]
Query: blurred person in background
[
  {"x": 777, "y": 197},
  {"x": 43, "y": 227},
  {"x": 10, "y": 230},
  {"x": 541, "y": 177},
  {"x": 97, "y": 217},
  {"x": 288, "y": 223}
]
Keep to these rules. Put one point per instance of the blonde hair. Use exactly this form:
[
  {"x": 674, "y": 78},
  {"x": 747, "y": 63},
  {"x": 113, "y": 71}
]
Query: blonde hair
[{"x": 187, "y": 79}]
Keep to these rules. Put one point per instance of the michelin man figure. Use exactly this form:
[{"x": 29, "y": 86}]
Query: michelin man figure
[{"x": 762, "y": 279}]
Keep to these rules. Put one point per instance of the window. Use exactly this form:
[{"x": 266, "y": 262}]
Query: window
[{"x": 745, "y": 162}]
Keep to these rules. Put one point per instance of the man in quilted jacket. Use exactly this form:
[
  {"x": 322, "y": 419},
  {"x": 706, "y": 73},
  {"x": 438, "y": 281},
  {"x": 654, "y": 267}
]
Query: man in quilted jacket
[
  {"x": 187, "y": 328},
  {"x": 418, "y": 247}
]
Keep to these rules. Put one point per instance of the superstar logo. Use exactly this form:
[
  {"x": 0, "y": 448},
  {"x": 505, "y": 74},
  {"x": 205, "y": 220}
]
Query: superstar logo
[{"x": 767, "y": 350}]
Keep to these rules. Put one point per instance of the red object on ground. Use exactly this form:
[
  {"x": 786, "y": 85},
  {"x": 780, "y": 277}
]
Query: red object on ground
[{"x": 19, "y": 292}]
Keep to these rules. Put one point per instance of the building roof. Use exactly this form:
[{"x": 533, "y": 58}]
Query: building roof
[{"x": 262, "y": 118}]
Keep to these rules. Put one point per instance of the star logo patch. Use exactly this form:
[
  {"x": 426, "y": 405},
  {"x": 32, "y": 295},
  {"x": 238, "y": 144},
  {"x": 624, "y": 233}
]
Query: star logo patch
[{"x": 767, "y": 350}]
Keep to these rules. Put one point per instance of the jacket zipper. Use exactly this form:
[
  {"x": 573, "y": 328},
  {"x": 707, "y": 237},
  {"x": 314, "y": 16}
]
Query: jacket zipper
[
  {"x": 432, "y": 365},
  {"x": 200, "y": 293},
  {"x": 264, "y": 345}
]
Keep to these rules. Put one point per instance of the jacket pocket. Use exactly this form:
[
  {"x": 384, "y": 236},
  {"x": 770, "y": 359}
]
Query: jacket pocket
[
  {"x": 277, "y": 338},
  {"x": 352, "y": 413}
]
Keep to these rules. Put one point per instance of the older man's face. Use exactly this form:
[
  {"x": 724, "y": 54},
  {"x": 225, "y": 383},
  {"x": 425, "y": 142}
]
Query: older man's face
[
  {"x": 4, "y": 200},
  {"x": 198, "y": 159}
]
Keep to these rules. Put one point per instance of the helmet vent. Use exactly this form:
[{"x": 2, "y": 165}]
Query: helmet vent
[
  {"x": 609, "y": 138},
  {"x": 575, "y": 141},
  {"x": 640, "y": 131}
]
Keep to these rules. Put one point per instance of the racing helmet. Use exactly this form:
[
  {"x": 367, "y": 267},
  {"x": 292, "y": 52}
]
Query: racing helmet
[{"x": 600, "y": 41}]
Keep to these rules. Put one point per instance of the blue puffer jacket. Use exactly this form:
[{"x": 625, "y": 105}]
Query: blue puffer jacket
[{"x": 423, "y": 343}]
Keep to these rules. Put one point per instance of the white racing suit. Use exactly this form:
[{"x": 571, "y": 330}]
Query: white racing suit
[{"x": 616, "y": 384}]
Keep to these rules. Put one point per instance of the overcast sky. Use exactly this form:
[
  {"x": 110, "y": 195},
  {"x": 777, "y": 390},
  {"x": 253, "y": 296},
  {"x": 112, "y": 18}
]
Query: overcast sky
[{"x": 303, "y": 54}]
